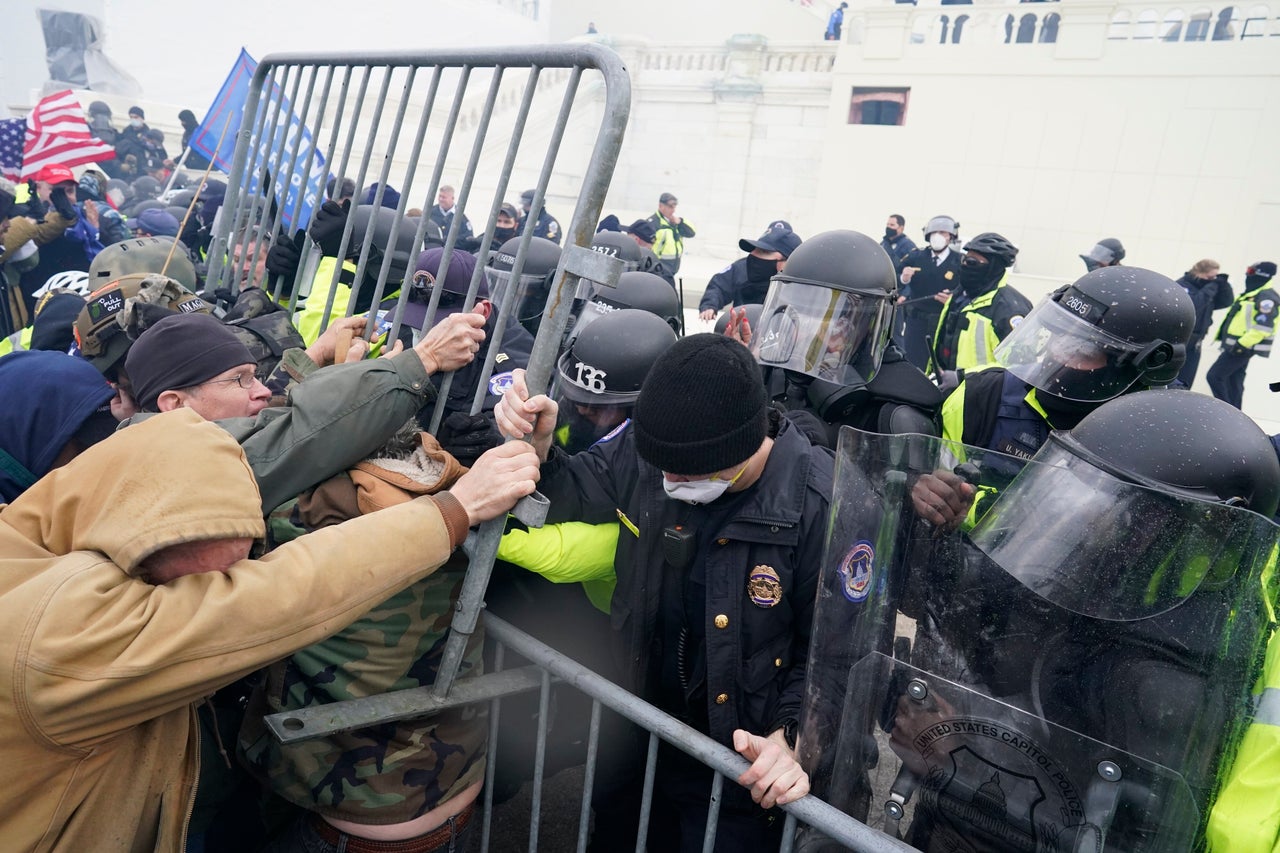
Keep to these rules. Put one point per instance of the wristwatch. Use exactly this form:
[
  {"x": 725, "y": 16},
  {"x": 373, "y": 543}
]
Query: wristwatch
[{"x": 790, "y": 728}]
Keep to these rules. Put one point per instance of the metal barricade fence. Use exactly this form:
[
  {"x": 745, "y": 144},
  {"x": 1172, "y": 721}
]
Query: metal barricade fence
[
  {"x": 273, "y": 181},
  {"x": 549, "y": 664}
]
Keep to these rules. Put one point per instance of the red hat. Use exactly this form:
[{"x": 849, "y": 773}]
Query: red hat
[{"x": 55, "y": 174}]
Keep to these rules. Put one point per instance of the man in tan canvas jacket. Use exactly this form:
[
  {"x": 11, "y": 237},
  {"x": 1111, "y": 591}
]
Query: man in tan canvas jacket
[{"x": 127, "y": 595}]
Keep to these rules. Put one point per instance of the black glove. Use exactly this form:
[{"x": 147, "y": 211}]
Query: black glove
[
  {"x": 36, "y": 208},
  {"x": 65, "y": 206},
  {"x": 326, "y": 227},
  {"x": 285, "y": 255},
  {"x": 466, "y": 437}
]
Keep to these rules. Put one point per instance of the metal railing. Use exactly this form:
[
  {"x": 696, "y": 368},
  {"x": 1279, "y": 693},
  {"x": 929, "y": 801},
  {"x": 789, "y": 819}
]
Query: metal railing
[{"x": 549, "y": 664}]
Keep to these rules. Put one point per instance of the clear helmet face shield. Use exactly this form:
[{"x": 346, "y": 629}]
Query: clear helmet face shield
[
  {"x": 1088, "y": 542},
  {"x": 829, "y": 334},
  {"x": 500, "y": 283},
  {"x": 1060, "y": 352}
]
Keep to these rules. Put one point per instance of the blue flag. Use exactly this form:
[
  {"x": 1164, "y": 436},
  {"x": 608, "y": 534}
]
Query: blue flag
[{"x": 272, "y": 153}]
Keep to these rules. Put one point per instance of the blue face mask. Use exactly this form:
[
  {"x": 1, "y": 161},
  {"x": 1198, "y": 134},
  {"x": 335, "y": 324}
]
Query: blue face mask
[{"x": 698, "y": 492}]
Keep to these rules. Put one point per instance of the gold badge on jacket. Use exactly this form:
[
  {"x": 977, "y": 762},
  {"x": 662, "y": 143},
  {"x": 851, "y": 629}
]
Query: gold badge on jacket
[
  {"x": 948, "y": 275},
  {"x": 764, "y": 587}
]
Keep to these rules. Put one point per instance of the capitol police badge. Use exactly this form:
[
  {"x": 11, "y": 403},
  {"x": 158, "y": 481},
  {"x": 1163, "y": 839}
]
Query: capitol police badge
[
  {"x": 764, "y": 587},
  {"x": 855, "y": 571}
]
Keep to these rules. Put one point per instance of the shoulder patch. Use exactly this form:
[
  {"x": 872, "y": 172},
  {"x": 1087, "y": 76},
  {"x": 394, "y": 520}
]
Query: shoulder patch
[
  {"x": 500, "y": 382},
  {"x": 1015, "y": 320},
  {"x": 1266, "y": 306}
]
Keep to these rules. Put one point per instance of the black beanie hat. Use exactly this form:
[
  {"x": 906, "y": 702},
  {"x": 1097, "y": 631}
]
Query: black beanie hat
[
  {"x": 181, "y": 351},
  {"x": 702, "y": 408}
]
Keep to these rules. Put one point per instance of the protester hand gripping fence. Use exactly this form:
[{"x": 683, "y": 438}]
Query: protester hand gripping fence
[{"x": 492, "y": 134}]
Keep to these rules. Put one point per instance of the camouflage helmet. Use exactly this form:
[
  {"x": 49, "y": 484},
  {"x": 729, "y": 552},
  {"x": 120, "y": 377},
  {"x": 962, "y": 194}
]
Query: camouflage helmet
[
  {"x": 142, "y": 255},
  {"x": 127, "y": 306}
]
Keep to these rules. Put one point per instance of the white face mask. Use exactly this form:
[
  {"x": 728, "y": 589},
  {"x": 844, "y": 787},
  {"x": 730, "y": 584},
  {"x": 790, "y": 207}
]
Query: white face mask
[
  {"x": 698, "y": 492},
  {"x": 939, "y": 241},
  {"x": 136, "y": 122}
]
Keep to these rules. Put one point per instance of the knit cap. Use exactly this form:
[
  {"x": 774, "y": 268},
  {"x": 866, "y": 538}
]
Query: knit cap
[
  {"x": 702, "y": 408},
  {"x": 179, "y": 352}
]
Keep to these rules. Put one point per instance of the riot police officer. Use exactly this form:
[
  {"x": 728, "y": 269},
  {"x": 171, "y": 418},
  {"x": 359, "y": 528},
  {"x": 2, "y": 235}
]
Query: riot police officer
[
  {"x": 928, "y": 275},
  {"x": 823, "y": 341},
  {"x": 1107, "y": 252},
  {"x": 1115, "y": 330},
  {"x": 980, "y": 313},
  {"x": 635, "y": 289},
  {"x": 534, "y": 283},
  {"x": 600, "y": 374},
  {"x": 1079, "y": 663}
]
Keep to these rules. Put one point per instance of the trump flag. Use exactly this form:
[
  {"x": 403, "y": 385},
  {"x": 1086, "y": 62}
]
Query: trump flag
[{"x": 272, "y": 155}]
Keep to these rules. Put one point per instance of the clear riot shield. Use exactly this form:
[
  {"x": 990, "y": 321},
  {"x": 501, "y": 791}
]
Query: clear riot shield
[{"x": 1067, "y": 674}]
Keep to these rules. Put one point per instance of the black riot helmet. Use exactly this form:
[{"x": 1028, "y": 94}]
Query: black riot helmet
[
  {"x": 642, "y": 290},
  {"x": 618, "y": 245},
  {"x": 1207, "y": 449},
  {"x": 146, "y": 186},
  {"x": 540, "y": 262},
  {"x": 1114, "y": 329},
  {"x": 828, "y": 314},
  {"x": 606, "y": 364},
  {"x": 1138, "y": 507},
  {"x": 1108, "y": 252},
  {"x": 384, "y": 222}
]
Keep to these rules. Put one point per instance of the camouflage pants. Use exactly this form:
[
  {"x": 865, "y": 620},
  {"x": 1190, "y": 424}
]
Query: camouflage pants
[{"x": 302, "y": 837}]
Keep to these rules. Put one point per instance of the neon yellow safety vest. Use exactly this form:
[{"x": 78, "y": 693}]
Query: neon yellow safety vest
[
  {"x": 1246, "y": 815},
  {"x": 1251, "y": 321},
  {"x": 24, "y": 341},
  {"x": 976, "y": 340},
  {"x": 668, "y": 243},
  {"x": 308, "y": 316}
]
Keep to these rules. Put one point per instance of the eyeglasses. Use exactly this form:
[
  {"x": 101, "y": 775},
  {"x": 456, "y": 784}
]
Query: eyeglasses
[{"x": 243, "y": 380}]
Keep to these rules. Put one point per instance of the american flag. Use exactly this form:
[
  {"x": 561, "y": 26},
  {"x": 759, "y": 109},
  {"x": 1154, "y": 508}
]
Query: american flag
[{"x": 54, "y": 133}]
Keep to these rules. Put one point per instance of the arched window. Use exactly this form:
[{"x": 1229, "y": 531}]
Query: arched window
[
  {"x": 1148, "y": 21},
  {"x": 1026, "y": 29},
  {"x": 1225, "y": 28},
  {"x": 1198, "y": 25},
  {"x": 1255, "y": 23},
  {"x": 920, "y": 27},
  {"x": 1049, "y": 28},
  {"x": 1119, "y": 29},
  {"x": 1171, "y": 29}
]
